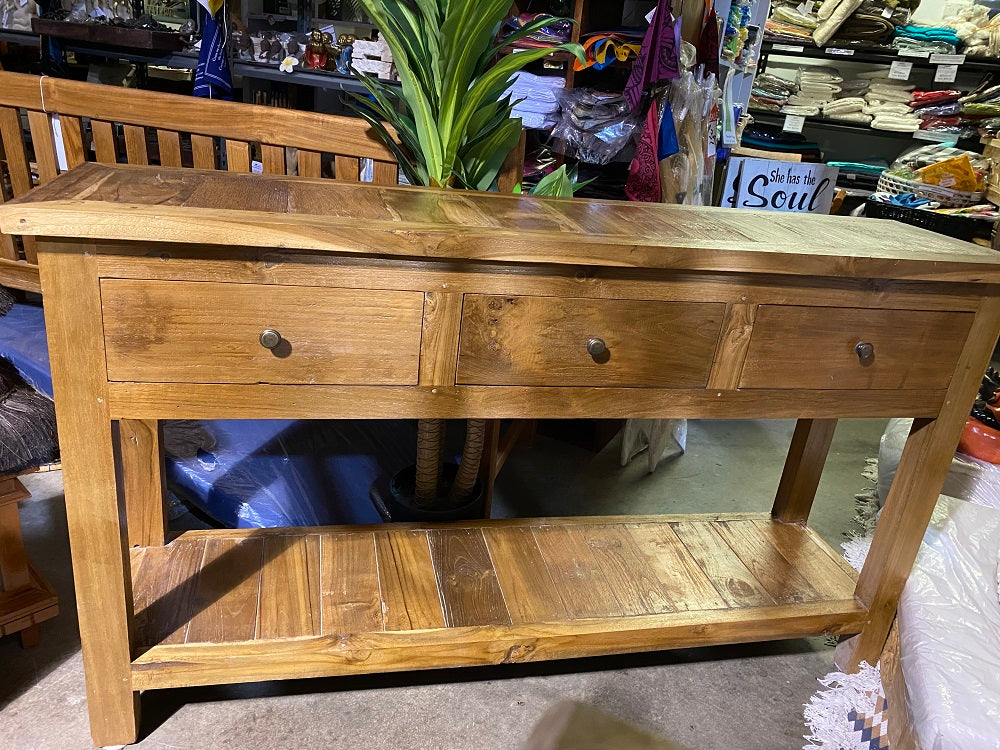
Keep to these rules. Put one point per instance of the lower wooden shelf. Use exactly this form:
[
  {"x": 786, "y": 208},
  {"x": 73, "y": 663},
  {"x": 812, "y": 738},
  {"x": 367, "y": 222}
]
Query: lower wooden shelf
[
  {"x": 27, "y": 605},
  {"x": 248, "y": 605}
]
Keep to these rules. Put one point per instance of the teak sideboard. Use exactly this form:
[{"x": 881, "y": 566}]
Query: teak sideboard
[{"x": 179, "y": 294}]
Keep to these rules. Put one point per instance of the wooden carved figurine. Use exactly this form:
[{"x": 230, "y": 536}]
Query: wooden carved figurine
[
  {"x": 315, "y": 53},
  {"x": 332, "y": 51}
]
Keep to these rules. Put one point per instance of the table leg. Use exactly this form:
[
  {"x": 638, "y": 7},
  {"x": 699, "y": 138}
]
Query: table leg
[
  {"x": 93, "y": 509},
  {"x": 803, "y": 468},
  {"x": 923, "y": 467},
  {"x": 143, "y": 480}
]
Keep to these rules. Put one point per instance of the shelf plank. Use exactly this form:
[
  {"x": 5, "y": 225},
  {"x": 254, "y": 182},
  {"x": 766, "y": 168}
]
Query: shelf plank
[
  {"x": 350, "y": 589},
  {"x": 467, "y": 582},
  {"x": 410, "y": 599},
  {"x": 524, "y": 578},
  {"x": 227, "y": 592},
  {"x": 283, "y": 603},
  {"x": 289, "y": 587}
]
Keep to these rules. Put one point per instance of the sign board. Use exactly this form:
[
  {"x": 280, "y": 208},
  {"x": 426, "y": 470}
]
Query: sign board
[{"x": 768, "y": 185}]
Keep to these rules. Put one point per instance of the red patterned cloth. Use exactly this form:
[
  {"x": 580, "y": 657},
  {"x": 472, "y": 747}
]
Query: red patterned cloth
[{"x": 644, "y": 172}]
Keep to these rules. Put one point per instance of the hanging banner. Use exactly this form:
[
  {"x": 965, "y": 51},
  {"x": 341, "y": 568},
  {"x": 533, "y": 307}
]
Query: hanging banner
[{"x": 767, "y": 185}]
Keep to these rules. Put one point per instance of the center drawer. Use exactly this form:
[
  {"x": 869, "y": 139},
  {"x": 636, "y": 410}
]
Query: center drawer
[
  {"x": 204, "y": 332},
  {"x": 552, "y": 341}
]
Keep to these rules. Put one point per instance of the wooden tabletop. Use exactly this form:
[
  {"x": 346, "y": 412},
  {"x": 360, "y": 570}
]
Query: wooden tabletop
[{"x": 158, "y": 204}]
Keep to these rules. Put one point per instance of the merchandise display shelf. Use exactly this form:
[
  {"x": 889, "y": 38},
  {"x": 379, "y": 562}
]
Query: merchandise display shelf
[
  {"x": 776, "y": 118},
  {"x": 861, "y": 55},
  {"x": 287, "y": 603},
  {"x": 19, "y": 37}
]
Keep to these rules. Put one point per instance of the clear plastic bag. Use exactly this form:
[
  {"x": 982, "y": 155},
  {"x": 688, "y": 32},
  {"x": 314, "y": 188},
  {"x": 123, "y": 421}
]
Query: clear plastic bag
[{"x": 595, "y": 126}]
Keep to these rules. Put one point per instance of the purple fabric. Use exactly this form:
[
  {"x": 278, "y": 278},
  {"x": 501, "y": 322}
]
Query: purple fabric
[{"x": 659, "y": 58}]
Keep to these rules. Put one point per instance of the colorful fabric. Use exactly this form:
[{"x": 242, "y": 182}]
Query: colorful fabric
[
  {"x": 557, "y": 32},
  {"x": 659, "y": 59},
  {"x": 604, "y": 48},
  {"x": 643, "y": 182},
  {"x": 212, "y": 78}
]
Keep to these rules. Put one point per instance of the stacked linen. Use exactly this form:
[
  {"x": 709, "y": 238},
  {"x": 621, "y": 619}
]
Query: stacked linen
[
  {"x": 847, "y": 109},
  {"x": 888, "y": 102},
  {"x": 540, "y": 94},
  {"x": 817, "y": 86},
  {"x": 770, "y": 93},
  {"x": 787, "y": 23},
  {"x": 938, "y": 110}
]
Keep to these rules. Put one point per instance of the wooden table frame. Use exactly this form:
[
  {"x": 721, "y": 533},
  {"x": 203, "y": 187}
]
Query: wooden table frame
[{"x": 411, "y": 597}]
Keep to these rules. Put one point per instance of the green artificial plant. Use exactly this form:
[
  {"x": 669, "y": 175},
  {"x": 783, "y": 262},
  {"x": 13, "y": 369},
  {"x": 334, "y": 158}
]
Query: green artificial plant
[{"x": 452, "y": 121}]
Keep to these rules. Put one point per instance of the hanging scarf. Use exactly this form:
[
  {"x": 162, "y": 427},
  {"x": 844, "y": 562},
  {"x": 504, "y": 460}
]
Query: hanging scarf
[
  {"x": 659, "y": 59},
  {"x": 212, "y": 78},
  {"x": 644, "y": 172},
  {"x": 708, "y": 44}
]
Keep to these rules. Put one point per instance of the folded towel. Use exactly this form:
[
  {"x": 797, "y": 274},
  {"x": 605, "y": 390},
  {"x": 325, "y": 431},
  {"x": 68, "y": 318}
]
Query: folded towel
[
  {"x": 888, "y": 96},
  {"x": 898, "y": 123},
  {"x": 793, "y": 110},
  {"x": 885, "y": 108},
  {"x": 856, "y": 117},
  {"x": 870, "y": 75},
  {"x": 825, "y": 31},
  {"x": 843, "y": 106}
]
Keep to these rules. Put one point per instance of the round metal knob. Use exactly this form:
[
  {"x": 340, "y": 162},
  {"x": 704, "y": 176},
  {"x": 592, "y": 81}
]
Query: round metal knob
[
  {"x": 865, "y": 351},
  {"x": 597, "y": 348},
  {"x": 270, "y": 338}
]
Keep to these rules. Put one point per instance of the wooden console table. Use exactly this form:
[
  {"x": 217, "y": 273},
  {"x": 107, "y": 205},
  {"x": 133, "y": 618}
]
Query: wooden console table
[{"x": 396, "y": 302}]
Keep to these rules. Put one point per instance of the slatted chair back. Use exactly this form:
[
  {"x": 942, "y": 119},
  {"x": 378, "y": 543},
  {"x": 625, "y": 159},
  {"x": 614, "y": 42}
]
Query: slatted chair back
[{"x": 108, "y": 124}]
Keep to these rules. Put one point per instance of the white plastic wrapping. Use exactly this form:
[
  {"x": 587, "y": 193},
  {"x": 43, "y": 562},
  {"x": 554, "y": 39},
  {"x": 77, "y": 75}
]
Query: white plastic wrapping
[
  {"x": 968, "y": 478},
  {"x": 949, "y": 625}
]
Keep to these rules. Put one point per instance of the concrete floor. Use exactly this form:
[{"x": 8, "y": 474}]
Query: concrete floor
[{"x": 744, "y": 697}]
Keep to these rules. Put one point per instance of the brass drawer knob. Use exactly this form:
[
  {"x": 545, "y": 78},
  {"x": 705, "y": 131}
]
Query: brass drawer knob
[
  {"x": 597, "y": 349},
  {"x": 865, "y": 351},
  {"x": 270, "y": 338}
]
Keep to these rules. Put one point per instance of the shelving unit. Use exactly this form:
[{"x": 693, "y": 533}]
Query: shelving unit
[{"x": 861, "y": 55}]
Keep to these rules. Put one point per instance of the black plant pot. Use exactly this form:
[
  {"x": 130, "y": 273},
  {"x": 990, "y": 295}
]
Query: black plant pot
[{"x": 395, "y": 499}]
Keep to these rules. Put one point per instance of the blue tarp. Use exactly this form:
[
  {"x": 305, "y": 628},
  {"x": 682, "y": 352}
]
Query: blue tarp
[{"x": 252, "y": 473}]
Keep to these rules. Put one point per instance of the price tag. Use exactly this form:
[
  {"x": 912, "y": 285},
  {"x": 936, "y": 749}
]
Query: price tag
[
  {"x": 793, "y": 123},
  {"x": 787, "y": 48},
  {"x": 887, "y": 13},
  {"x": 913, "y": 53},
  {"x": 939, "y": 59},
  {"x": 838, "y": 51},
  {"x": 649, "y": 16},
  {"x": 900, "y": 71},
  {"x": 933, "y": 136},
  {"x": 945, "y": 73}
]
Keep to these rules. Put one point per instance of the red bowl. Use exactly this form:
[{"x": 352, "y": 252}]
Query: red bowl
[{"x": 980, "y": 441}]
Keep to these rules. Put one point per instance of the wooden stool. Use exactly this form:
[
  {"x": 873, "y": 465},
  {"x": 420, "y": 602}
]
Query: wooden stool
[{"x": 26, "y": 599}]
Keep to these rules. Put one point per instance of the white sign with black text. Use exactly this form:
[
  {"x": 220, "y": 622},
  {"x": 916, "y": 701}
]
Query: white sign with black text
[{"x": 769, "y": 185}]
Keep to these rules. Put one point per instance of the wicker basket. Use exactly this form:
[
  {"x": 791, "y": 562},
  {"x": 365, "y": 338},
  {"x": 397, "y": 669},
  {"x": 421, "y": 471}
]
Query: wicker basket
[{"x": 894, "y": 185}]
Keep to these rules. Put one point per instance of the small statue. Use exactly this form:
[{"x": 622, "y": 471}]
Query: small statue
[
  {"x": 346, "y": 44},
  {"x": 332, "y": 51},
  {"x": 315, "y": 53},
  {"x": 264, "y": 52}
]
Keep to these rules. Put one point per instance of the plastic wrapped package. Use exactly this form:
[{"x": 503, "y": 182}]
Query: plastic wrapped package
[
  {"x": 595, "y": 126},
  {"x": 968, "y": 478},
  {"x": 949, "y": 627},
  {"x": 22, "y": 341}
]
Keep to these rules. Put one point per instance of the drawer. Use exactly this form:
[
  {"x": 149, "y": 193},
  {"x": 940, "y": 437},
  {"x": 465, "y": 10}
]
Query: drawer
[
  {"x": 544, "y": 341},
  {"x": 201, "y": 332},
  {"x": 816, "y": 347}
]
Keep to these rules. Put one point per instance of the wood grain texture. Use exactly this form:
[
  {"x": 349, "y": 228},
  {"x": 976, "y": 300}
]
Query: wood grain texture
[
  {"x": 13, "y": 558},
  {"x": 237, "y": 155},
  {"x": 169, "y": 332},
  {"x": 543, "y": 341},
  {"x": 577, "y": 574},
  {"x": 273, "y": 159},
  {"x": 14, "y": 151},
  {"x": 410, "y": 599},
  {"x": 227, "y": 591},
  {"x": 310, "y": 163},
  {"x": 144, "y": 481},
  {"x": 43, "y": 145},
  {"x": 803, "y": 469},
  {"x": 23, "y": 608},
  {"x": 419, "y": 222},
  {"x": 104, "y": 141},
  {"x": 800, "y": 347},
  {"x": 73, "y": 140},
  {"x": 733, "y": 344},
  {"x": 97, "y": 534},
  {"x": 347, "y": 169},
  {"x": 165, "y": 582},
  {"x": 15, "y": 273},
  {"x": 289, "y": 588},
  {"x": 902, "y": 736},
  {"x": 920, "y": 476},
  {"x": 681, "y": 579},
  {"x": 467, "y": 582},
  {"x": 208, "y": 401},
  {"x": 169, "y": 143},
  {"x": 387, "y": 172},
  {"x": 350, "y": 589},
  {"x": 135, "y": 144},
  {"x": 528, "y": 589},
  {"x": 203, "y": 152},
  {"x": 442, "y": 321}
]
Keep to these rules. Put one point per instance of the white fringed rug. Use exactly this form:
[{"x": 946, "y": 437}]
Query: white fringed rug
[{"x": 850, "y": 714}]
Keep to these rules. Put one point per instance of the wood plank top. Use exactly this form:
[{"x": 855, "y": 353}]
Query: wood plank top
[{"x": 216, "y": 208}]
